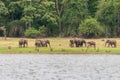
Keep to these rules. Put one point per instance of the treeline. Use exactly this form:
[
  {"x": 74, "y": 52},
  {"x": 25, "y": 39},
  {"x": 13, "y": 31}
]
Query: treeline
[{"x": 64, "y": 18}]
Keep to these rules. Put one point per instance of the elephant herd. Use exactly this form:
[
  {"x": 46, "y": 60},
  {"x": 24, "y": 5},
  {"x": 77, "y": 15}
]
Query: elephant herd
[
  {"x": 72, "y": 43},
  {"x": 38, "y": 43},
  {"x": 82, "y": 42},
  {"x": 42, "y": 43}
]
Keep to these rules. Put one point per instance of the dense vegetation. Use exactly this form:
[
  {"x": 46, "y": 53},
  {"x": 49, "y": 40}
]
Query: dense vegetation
[{"x": 50, "y": 18}]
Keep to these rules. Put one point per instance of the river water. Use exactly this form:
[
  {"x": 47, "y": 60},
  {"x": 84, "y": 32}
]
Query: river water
[{"x": 59, "y": 67}]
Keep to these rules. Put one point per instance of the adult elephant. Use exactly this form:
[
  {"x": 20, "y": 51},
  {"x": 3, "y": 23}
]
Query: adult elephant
[
  {"x": 38, "y": 43},
  {"x": 42, "y": 43},
  {"x": 77, "y": 42},
  {"x": 82, "y": 42},
  {"x": 111, "y": 43},
  {"x": 71, "y": 44},
  {"x": 23, "y": 43},
  {"x": 45, "y": 43}
]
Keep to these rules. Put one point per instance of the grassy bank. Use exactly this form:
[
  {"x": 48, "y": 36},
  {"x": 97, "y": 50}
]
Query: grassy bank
[{"x": 58, "y": 45}]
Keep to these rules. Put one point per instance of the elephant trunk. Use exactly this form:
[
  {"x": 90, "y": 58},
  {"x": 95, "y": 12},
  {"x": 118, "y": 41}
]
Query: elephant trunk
[
  {"x": 85, "y": 44},
  {"x": 49, "y": 44}
]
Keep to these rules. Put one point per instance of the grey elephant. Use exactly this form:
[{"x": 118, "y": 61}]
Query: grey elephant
[
  {"x": 42, "y": 43},
  {"x": 71, "y": 44},
  {"x": 111, "y": 43},
  {"x": 38, "y": 43},
  {"x": 77, "y": 43},
  {"x": 91, "y": 43},
  {"x": 23, "y": 43},
  {"x": 45, "y": 43},
  {"x": 82, "y": 42}
]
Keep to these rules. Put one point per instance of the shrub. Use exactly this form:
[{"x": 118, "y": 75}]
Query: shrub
[
  {"x": 43, "y": 31},
  {"x": 90, "y": 28},
  {"x": 32, "y": 33}
]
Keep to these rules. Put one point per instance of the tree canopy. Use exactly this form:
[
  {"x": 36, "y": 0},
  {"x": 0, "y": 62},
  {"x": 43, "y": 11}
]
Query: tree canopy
[{"x": 62, "y": 18}]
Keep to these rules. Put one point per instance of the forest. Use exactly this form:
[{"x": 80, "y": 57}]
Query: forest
[{"x": 60, "y": 18}]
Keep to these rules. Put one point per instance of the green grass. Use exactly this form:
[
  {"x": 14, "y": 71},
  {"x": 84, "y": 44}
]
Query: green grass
[
  {"x": 59, "y": 46},
  {"x": 60, "y": 50}
]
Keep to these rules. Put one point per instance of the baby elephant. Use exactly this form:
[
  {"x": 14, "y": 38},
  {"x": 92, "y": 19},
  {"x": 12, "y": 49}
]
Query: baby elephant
[
  {"x": 91, "y": 43},
  {"x": 111, "y": 43},
  {"x": 23, "y": 43}
]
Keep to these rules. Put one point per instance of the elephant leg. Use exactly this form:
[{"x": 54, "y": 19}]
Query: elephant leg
[
  {"x": 75, "y": 44},
  {"x": 46, "y": 45},
  {"x": 23, "y": 45},
  {"x": 114, "y": 45}
]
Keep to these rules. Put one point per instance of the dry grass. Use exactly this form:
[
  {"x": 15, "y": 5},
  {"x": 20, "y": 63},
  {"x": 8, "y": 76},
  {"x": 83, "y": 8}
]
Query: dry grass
[{"x": 57, "y": 44}]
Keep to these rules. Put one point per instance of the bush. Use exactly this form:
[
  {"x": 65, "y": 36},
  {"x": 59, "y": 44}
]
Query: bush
[
  {"x": 90, "y": 28},
  {"x": 32, "y": 33},
  {"x": 43, "y": 31}
]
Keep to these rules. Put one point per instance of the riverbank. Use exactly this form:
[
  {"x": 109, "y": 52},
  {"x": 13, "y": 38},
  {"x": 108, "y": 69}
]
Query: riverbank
[{"x": 58, "y": 46}]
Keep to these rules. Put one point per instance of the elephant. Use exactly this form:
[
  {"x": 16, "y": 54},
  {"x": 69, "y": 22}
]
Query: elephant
[
  {"x": 42, "y": 43},
  {"x": 77, "y": 43},
  {"x": 111, "y": 43},
  {"x": 45, "y": 43},
  {"x": 38, "y": 43},
  {"x": 91, "y": 43},
  {"x": 23, "y": 43},
  {"x": 71, "y": 43},
  {"x": 82, "y": 42}
]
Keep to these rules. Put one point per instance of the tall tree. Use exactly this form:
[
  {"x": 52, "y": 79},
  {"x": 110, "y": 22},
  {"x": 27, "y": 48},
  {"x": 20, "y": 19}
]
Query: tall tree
[
  {"x": 74, "y": 13},
  {"x": 60, "y": 8},
  {"x": 3, "y": 13},
  {"x": 92, "y": 7},
  {"x": 109, "y": 15},
  {"x": 105, "y": 15}
]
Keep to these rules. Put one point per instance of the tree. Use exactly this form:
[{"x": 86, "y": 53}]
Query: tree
[
  {"x": 108, "y": 14},
  {"x": 92, "y": 7},
  {"x": 32, "y": 32},
  {"x": 28, "y": 13},
  {"x": 117, "y": 16},
  {"x": 74, "y": 13},
  {"x": 3, "y": 13},
  {"x": 49, "y": 18},
  {"x": 90, "y": 28},
  {"x": 60, "y": 4}
]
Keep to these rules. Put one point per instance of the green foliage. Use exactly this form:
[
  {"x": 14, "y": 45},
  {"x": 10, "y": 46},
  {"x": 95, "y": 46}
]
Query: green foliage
[
  {"x": 109, "y": 14},
  {"x": 59, "y": 17},
  {"x": 105, "y": 14},
  {"x": 90, "y": 28},
  {"x": 43, "y": 31},
  {"x": 92, "y": 7},
  {"x": 3, "y": 9},
  {"x": 31, "y": 32},
  {"x": 75, "y": 12}
]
